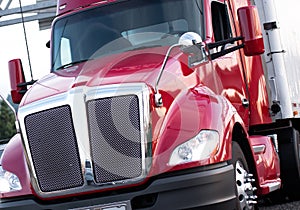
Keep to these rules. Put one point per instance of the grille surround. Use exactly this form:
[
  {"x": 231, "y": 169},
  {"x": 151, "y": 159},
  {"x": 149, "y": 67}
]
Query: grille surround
[{"x": 77, "y": 99}]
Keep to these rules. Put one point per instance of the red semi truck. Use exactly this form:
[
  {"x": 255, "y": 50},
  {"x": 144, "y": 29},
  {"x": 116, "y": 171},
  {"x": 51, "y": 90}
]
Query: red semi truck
[{"x": 161, "y": 104}]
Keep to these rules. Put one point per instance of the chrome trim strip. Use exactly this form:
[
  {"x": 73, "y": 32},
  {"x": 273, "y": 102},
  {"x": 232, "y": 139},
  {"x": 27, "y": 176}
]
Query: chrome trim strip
[
  {"x": 258, "y": 149},
  {"x": 274, "y": 186},
  {"x": 118, "y": 205},
  {"x": 76, "y": 98}
]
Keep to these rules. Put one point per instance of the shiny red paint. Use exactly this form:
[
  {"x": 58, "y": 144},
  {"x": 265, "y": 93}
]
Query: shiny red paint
[
  {"x": 254, "y": 79},
  {"x": 194, "y": 110},
  {"x": 64, "y": 6},
  {"x": 203, "y": 97},
  {"x": 228, "y": 70},
  {"x": 266, "y": 163},
  {"x": 14, "y": 161},
  {"x": 115, "y": 69},
  {"x": 259, "y": 100},
  {"x": 251, "y": 31},
  {"x": 189, "y": 105}
]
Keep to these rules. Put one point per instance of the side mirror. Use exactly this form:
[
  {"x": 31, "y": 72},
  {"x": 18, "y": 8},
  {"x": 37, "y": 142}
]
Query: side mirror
[
  {"x": 17, "y": 80},
  {"x": 186, "y": 41},
  {"x": 191, "y": 43},
  {"x": 251, "y": 30},
  {"x": 189, "y": 39}
]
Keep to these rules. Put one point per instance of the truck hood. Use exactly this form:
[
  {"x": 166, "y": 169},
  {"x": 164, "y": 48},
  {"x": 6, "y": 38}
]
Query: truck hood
[{"x": 128, "y": 67}]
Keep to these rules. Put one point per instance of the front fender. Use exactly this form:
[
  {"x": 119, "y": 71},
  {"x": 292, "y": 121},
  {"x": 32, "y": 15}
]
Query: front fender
[
  {"x": 190, "y": 112},
  {"x": 13, "y": 160}
]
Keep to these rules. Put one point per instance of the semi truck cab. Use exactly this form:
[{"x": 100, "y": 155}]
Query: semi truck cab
[{"x": 146, "y": 103}]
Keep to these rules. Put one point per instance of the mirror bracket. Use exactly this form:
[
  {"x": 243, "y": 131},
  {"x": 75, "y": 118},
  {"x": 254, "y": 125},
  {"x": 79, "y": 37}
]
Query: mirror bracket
[
  {"x": 198, "y": 57},
  {"x": 222, "y": 44}
]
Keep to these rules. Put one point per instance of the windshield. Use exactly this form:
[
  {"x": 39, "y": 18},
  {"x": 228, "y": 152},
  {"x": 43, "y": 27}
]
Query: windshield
[{"x": 123, "y": 26}]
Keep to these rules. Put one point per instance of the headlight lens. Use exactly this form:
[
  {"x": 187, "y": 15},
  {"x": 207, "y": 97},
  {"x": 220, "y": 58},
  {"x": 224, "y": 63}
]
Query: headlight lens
[
  {"x": 200, "y": 147},
  {"x": 8, "y": 181}
]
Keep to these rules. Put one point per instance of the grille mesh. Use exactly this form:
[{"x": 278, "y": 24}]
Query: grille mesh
[
  {"x": 115, "y": 135},
  {"x": 54, "y": 150}
]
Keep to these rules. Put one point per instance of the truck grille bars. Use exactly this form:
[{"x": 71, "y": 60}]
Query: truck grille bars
[{"x": 117, "y": 127}]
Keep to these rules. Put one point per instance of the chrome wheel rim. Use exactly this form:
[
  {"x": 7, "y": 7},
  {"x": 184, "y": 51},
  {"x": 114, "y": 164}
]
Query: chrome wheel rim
[{"x": 245, "y": 189}]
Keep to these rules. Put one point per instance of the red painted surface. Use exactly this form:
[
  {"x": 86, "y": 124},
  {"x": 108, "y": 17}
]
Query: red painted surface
[
  {"x": 64, "y": 6},
  {"x": 189, "y": 106},
  {"x": 16, "y": 77},
  {"x": 267, "y": 164},
  {"x": 203, "y": 97},
  {"x": 13, "y": 160},
  {"x": 251, "y": 31},
  {"x": 254, "y": 78}
]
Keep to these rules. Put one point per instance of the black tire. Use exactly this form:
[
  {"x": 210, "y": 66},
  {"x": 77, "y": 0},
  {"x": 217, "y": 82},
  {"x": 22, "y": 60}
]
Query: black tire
[{"x": 245, "y": 198}]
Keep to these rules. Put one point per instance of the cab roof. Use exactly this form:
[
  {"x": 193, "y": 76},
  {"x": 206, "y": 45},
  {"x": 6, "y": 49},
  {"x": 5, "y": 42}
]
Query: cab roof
[{"x": 64, "y": 6}]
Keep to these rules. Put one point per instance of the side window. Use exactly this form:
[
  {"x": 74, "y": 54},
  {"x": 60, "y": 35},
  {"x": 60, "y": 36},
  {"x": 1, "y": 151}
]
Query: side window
[{"x": 220, "y": 21}]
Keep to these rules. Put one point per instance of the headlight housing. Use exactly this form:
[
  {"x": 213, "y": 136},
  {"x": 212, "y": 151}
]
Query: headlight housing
[
  {"x": 8, "y": 181},
  {"x": 201, "y": 147}
]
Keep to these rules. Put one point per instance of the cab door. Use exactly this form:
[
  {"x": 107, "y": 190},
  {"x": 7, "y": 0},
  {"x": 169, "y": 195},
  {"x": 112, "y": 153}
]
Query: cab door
[{"x": 229, "y": 68}]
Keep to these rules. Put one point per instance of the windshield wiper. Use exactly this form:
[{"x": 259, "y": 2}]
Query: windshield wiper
[{"x": 72, "y": 64}]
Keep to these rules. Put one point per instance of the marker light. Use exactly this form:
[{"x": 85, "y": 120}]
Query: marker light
[{"x": 198, "y": 148}]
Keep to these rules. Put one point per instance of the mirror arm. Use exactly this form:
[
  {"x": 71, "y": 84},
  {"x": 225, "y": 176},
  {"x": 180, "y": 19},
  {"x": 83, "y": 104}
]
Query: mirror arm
[
  {"x": 223, "y": 42},
  {"x": 26, "y": 83},
  {"x": 186, "y": 40},
  {"x": 157, "y": 96},
  {"x": 164, "y": 65},
  {"x": 226, "y": 51}
]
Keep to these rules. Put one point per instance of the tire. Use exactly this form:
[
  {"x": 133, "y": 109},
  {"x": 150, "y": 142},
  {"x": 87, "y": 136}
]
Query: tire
[{"x": 245, "y": 198}]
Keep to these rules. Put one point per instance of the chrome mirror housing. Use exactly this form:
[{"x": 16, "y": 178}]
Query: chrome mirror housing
[{"x": 189, "y": 39}]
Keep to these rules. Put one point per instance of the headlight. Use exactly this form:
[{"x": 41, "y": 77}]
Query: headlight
[
  {"x": 8, "y": 181},
  {"x": 200, "y": 147}
]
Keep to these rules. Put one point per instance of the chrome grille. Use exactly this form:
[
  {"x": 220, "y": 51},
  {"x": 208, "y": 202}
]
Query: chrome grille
[
  {"x": 115, "y": 137},
  {"x": 54, "y": 150},
  {"x": 101, "y": 136}
]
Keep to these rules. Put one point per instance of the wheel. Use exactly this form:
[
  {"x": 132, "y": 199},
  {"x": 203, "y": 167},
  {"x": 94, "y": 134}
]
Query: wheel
[{"x": 245, "y": 198}]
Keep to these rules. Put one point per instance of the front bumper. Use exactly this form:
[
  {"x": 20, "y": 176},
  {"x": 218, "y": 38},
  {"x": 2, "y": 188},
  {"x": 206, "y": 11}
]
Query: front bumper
[{"x": 209, "y": 189}]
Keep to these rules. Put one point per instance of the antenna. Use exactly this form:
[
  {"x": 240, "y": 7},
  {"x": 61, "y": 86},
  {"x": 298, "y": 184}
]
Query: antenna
[{"x": 25, "y": 36}]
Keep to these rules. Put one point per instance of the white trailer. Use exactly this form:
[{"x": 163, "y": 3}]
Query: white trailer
[
  {"x": 282, "y": 56},
  {"x": 281, "y": 34}
]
